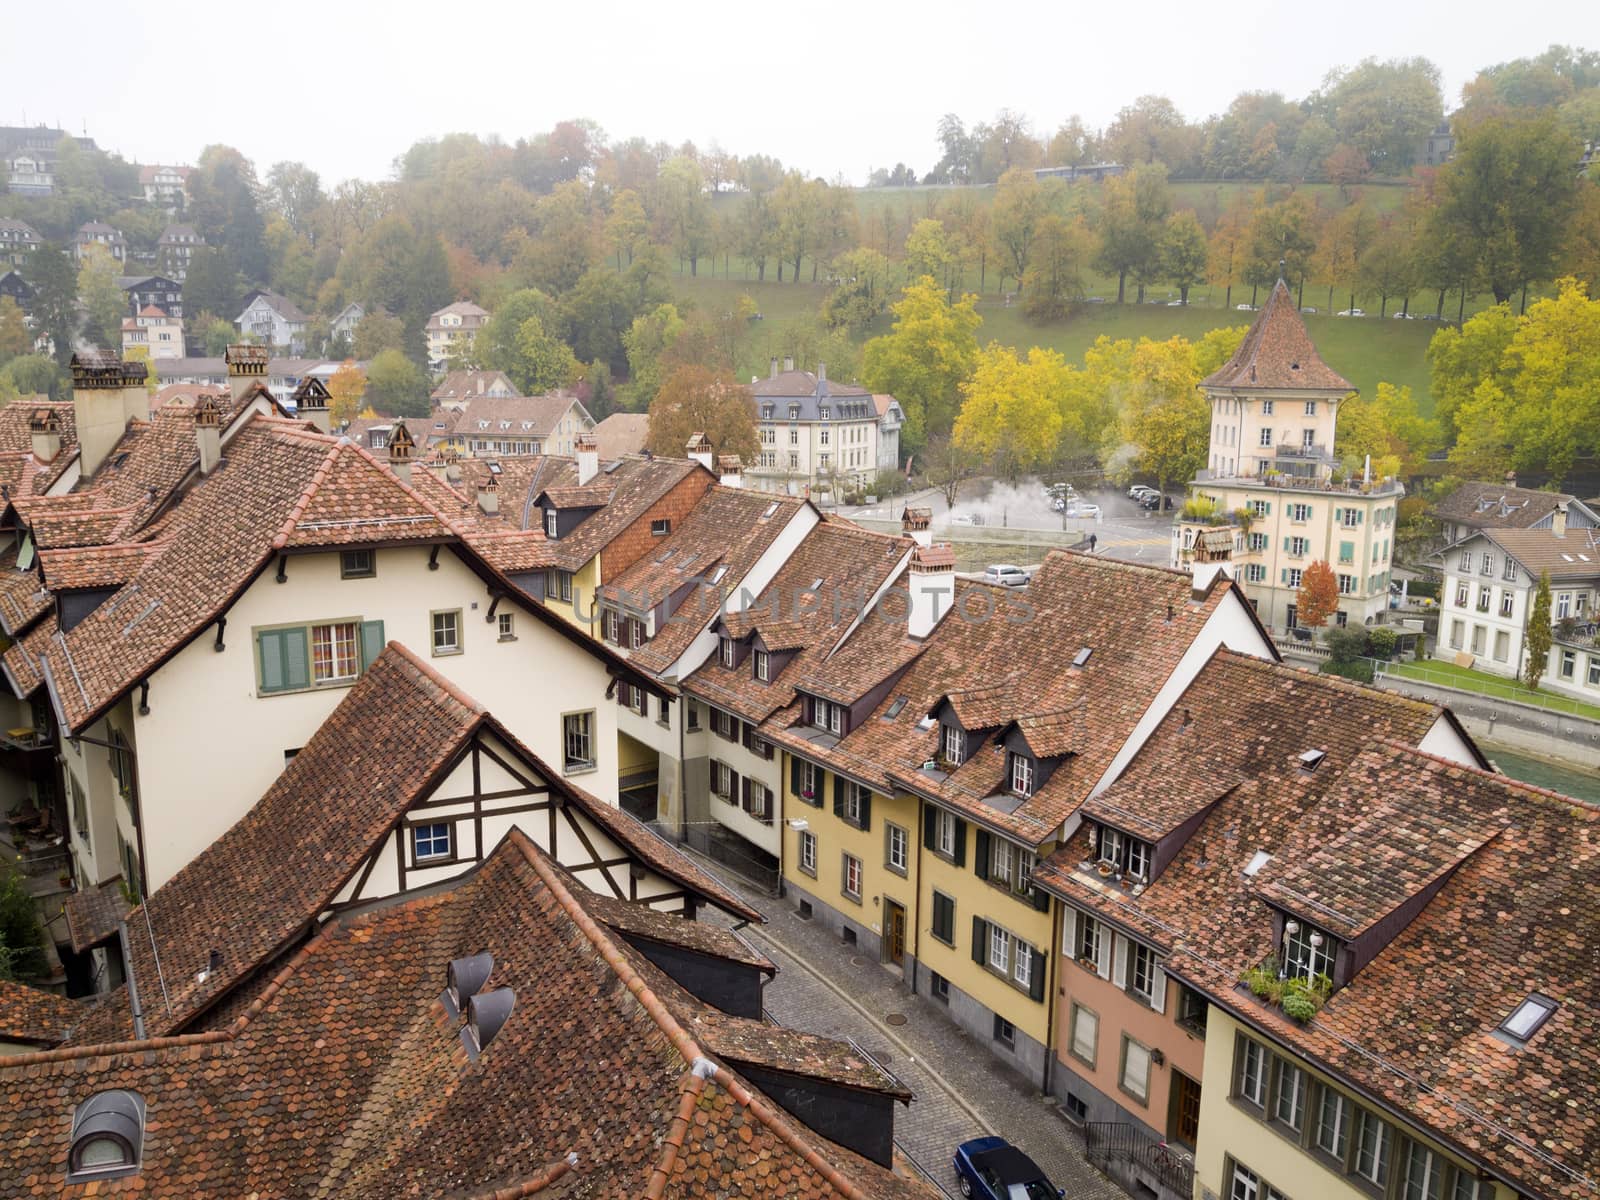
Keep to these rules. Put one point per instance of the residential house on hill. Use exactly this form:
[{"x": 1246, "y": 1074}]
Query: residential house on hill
[
  {"x": 1474, "y": 506},
  {"x": 815, "y": 436},
  {"x": 167, "y": 186},
  {"x": 153, "y": 329},
  {"x": 621, "y": 434},
  {"x": 275, "y": 321},
  {"x": 159, "y": 291},
  {"x": 452, "y": 330},
  {"x": 502, "y": 425},
  {"x": 18, "y": 240},
  {"x": 98, "y": 233},
  {"x": 458, "y": 387},
  {"x": 16, "y": 287},
  {"x": 344, "y": 324},
  {"x": 175, "y": 248}
]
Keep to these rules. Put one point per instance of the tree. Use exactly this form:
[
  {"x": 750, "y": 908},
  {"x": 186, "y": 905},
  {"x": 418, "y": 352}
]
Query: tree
[
  {"x": 346, "y": 388},
  {"x": 928, "y": 250},
  {"x": 948, "y": 466},
  {"x": 1383, "y": 110},
  {"x": 1347, "y": 167},
  {"x": 1183, "y": 252},
  {"x": 21, "y": 938},
  {"x": 797, "y": 205},
  {"x": 861, "y": 289},
  {"x": 496, "y": 343},
  {"x": 152, "y": 384},
  {"x": 213, "y": 334},
  {"x": 647, "y": 339},
  {"x": 698, "y": 400},
  {"x": 55, "y": 298},
  {"x": 224, "y": 191},
  {"x": 396, "y": 386},
  {"x": 925, "y": 358},
  {"x": 543, "y": 362},
  {"x": 15, "y": 339},
  {"x": 376, "y": 332},
  {"x": 296, "y": 192},
  {"x": 1226, "y": 254},
  {"x": 1318, "y": 597},
  {"x": 1510, "y": 193},
  {"x": 1387, "y": 269},
  {"x": 37, "y": 375},
  {"x": 1389, "y": 427},
  {"x": 1019, "y": 205},
  {"x": 1148, "y": 131},
  {"x": 1282, "y": 237},
  {"x": 686, "y": 210},
  {"x": 1538, "y": 638},
  {"x": 1054, "y": 279},
  {"x": 1010, "y": 412},
  {"x": 1345, "y": 239},
  {"x": 627, "y": 225},
  {"x": 1171, "y": 435},
  {"x": 212, "y": 284},
  {"x": 104, "y": 302},
  {"x": 1133, "y": 210}
]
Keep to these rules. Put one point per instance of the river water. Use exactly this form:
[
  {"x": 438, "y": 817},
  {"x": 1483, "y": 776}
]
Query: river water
[{"x": 1571, "y": 781}]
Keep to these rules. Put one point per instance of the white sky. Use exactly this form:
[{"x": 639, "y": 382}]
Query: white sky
[{"x": 824, "y": 85}]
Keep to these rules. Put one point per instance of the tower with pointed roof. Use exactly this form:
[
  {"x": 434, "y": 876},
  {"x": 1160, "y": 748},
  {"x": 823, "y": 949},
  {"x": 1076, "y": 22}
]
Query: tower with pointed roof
[{"x": 1274, "y": 412}]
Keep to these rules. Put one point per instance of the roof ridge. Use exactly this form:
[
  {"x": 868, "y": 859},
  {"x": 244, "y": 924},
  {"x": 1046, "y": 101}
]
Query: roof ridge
[
  {"x": 303, "y": 502},
  {"x": 1332, "y": 682},
  {"x": 1499, "y": 777}
]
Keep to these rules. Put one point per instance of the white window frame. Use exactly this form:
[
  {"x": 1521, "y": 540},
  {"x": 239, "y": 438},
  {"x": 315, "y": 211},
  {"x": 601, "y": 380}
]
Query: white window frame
[
  {"x": 897, "y": 855},
  {"x": 763, "y": 666},
  {"x": 450, "y": 630},
  {"x": 945, "y": 832},
  {"x": 851, "y": 866},
  {"x": 577, "y": 733},
  {"x": 1130, "y": 1049},
  {"x": 952, "y": 743},
  {"x": 1076, "y": 1045},
  {"x": 808, "y": 853},
  {"x": 999, "y": 954},
  {"x": 434, "y": 855},
  {"x": 551, "y": 524}
]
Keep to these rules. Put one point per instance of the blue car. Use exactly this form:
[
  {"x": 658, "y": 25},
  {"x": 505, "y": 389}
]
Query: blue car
[{"x": 991, "y": 1168}]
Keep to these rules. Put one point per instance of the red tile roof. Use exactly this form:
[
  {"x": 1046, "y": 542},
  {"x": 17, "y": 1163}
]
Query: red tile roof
[
  {"x": 94, "y": 913},
  {"x": 1278, "y": 354},
  {"x": 34, "y": 1016}
]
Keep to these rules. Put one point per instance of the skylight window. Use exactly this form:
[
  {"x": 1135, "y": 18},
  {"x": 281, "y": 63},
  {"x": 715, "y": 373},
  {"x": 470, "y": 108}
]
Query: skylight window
[
  {"x": 896, "y": 708},
  {"x": 1257, "y": 860},
  {"x": 1312, "y": 759},
  {"x": 771, "y": 508},
  {"x": 1528, "y": 1018},
  {"x": 494, "y": 467},
  {"x": 666, "y": 554},
  {"x": 1081, "y": 658},
  {"x": 816, "y": 585},
  {"x": 716, "y": 576}
]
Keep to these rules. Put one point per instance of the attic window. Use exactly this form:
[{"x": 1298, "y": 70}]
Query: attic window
[
  {"x": 771, "y": 508},
  {"x": 107, "y": 1137},
  {"x": 494, "y": 467},
  {"x": 716, "y": 576},
  {"x": 612, "y": 466},
  {"x": 1528, "y": 1018},
  {"x": 896, "y": 708},
  {"x": 666, "y": 554},
  {"x": 1257, "y": 860},
  {"x": 1081, "y": 658},
  {"x": 661, "y": 527},
  {"x": 687, "y": 559},
  {"x": 1312, "y": 759}
]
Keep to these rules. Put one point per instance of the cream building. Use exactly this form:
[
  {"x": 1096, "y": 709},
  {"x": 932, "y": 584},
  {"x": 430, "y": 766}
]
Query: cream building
[
  {"x": 452, "y": 330},
  {"x": 1271, "y": 472},
  {"x": 816, "y": 437}
]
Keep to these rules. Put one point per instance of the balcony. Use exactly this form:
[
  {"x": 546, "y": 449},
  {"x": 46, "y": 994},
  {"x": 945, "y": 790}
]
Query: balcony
[{"x": 1314, "y": 453}]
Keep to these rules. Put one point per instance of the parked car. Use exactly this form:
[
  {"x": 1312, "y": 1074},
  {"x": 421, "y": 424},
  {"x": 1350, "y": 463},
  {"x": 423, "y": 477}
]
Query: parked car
[
  {"x": 1309, "y": 309},
  {"x": 1059, "y": 504},
  {"x": 1140, "y": 490},
  {"x": 1404, "y": 316},
  {"x": 1006, "y": 575},
  {"x": 991, "y": 1168},
  {"x": 1352, "y": 312},
  {"x": 1083, "y": 509},
  {"x": 1431, "y": 317},
  {"x": 1175, "y": 304},
  {"x": 1244, "y": 308},
  {"x": 1151, "y": 502}
]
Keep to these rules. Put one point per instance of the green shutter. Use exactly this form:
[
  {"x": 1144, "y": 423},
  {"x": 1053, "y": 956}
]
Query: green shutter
[
  {"x": 1041, "y": 898},
  {"x": 296, "y": 658},
  {"x": 269, "y": 650},
  {"x": 794, "y": 775},
  {"x": 1036, "y": 976},
  {"x": 1286, "y": 542},
  {"x": 980, "y": 857},
  {"x": 1283, "y": 575},
  {"x": 838, "y": 796},
  {"x": 372, "y": 643},
  {"x": 285, "y": 666},
  {"x": 961, "y": 843},
  {"x": 1347, "y": 551},
  {"x": 980, "y": 935},
  {"x": 930, "y": 827}
]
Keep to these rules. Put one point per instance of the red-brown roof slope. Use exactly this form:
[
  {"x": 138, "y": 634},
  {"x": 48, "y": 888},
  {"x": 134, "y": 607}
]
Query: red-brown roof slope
[
  {"x": 1278, "y": 354},
  {"x": 1498, "y": 505},
  {"x": 372, "y": 1094},
  {"x": 33, "y": 1016}
]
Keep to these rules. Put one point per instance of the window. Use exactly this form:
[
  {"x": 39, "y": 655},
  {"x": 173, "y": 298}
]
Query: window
[
  {"x": 691, "y": 719},
  {"x": 1245, "y": 1184},
  {"x": 107, "y": 1136},
  {"x": 1090, "y": 932},
  {"x": 1261, "y": 508},
  {"x": 758, "y": 803},
  {"x": 507, "y": 625},
  {"x": 1255, "y": 573},
  {"x": 1292, "y": 577},
  {"x": 1569, "y": 663},
  {"x": 945, "y": 832},
  {"x": 1252, "y": 1076},
  {"x": 1563, "y": 605},
  {"x": 447, "y": 632},
  {"x": 1374, "y": 1141},
  {"x": 564, "y": 585},
  {"x": 1299, "y": 547},
  {"x": 333, "y": 652},
  {"x": 895, "y": 852},
  {"x": 1308, "y": 952},
  {"x": 854, "y": 802},
  {"x": 827, "y": 716},
  {"x": 1349, "y": 518},
  {"x": 1526, "y": 1020},
  {"x": 823, "y": 439},
  {"x": 1502, "y": 645},
  {"x": 1127, "y": 854},
  {"x": 1002, "y": 860},
  {"x": 1300, "y": 513},
  {"x": 1266, "y": 437},
  {"x": 1308, "y": 438},
  {"x": 1258, "y": 541},
  {"x": 721, "y": 780},
  {"x": 551, "y": 527},
  {"x": 952, "y": 744},
  {"x": 999, "y": 949},
  {"x": 1424, "y": 1177},
  {"x": 727, "y": 650},
  {"x": 1488, "y": 564},
  {"x": 661, "y": 527},
  {"x": 1022, "y": 967},
  {"x": 1085, "y": 1033},
  {"x": 577, "y": 739},
  {"x": 1484, "y": 597},
  {"x": 1507, "y": 602},
  {"x": 938, "y": 987},
  {"x": 808, "y": 853},
  {"x": 357, "y": 564},
  {"x": 1142, "y": 977},
  {"x": 1510, "y": 570},
  {"x": 1311, "y": 408},
  {"x": 1289, "y": 1106},
  {"x": 944, "y": 918},
  {"x": 1463, "y": 593},
  {"x": 430, "y": 841},
  {"x": 1021, "y": 774},
  {"x": 852, "y": 877},
  {"x": 1192, "y": 1010},
  {"x": 1332, "y": 1135},
  {"x": 1347, "y": 585},
  {"x": 763, "y": 666},
  {"x": 80, "y": 809},
  {"x": 1004, "y": 1031},
  {"x": 1594, "y": 671},
  {"x": 724, "y": 725},
  {"x": 1457, "y": 633},
  {"x": 1135, "y": 1078}
]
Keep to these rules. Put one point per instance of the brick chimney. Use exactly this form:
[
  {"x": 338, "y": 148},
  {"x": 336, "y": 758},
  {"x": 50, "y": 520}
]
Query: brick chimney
[
  {"x": 45, "y": 428},
  {"x": 489, "y": 496},
  {"x": 107, "y": 393},
  {"x": 208, "y": 432},
  {"x": 916, "y": 524},
  {"x": 311, "y": 404},
  {"x": 931, "y": 580},
  {"x": 401, "y": 448},
  {"x": 588, "y": 454},
  {"x": 246, "y": 365},
  {"x": 699, "y": 449},
  {"x": 1558, "y": 520},
  {"x": 731, "y": 469}
]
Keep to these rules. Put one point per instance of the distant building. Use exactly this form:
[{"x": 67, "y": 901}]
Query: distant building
[
  {"x": 816, "y": 436},
  {"x": 146, "y": 290},
  {"x": 28, "y": 155},
  {"x": 18, "y": 240},
  {"x": 452, "y": 330},
  {"x": 494, "y": 425},
  {"x": 275, "y": 321},
  {"x": 166, "y": 186},
  {"x": 98, "y": 233},
  {"x": 621, "y": 434},
  {"x": 344, "y": 325},
  {"x": 891, "y": 417},
  {"x": 153, "y": 329},
  {"x": 1476, "y": 506},
  {"x": 176, "y": 247},
  {"x": 1439, "y": 147},
  {"x": 15, "y": 286},
  {"x": 1094, "y": 171},
  {"x": 284, "y": 374},
  {"x": 458, "y": 387}
]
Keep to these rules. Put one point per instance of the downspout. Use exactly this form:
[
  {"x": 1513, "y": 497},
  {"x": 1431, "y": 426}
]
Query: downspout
[
  {"x": 683, "y": 769},
  {"x": 1050, "y": 996},
  {"x": 916, "y": 928}
]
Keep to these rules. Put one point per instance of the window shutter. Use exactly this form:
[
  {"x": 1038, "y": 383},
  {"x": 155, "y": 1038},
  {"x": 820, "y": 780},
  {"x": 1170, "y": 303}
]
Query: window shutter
[
  {"x": 1347, "y": 551},
  {"x": 371, "y": 643},
  {"x": 1361, "y": 517},
  {"x": 1286, "y": 544},
  {"x": 1036, "y": 975},
  {"x": 296, "y": 658},
  {"x": 794, "y": 775},
  {"x": 1041, "y": 898},
  {"x": 930, "y": 827},
  {"x": 1119, "y": 961},
  {"x": 744, "y": 793},
  {"x": 961, "y": 842},
  {"x": 1069, "y": 931},
  {"x": 866, "y": 809},
  {"x": 1159, "y": 1000},
  {"x": 980, "y": 856},
  {"x": 735, "y": 787},
  {"x": 745, "y": 732},
  {"x": 269, "y": 644},
  {"x": 838, "y": 798},
  {"x": 980, "y": 940},
  {"x": 1283, "y": 574},
  {"x": 1102, "y": 968}
]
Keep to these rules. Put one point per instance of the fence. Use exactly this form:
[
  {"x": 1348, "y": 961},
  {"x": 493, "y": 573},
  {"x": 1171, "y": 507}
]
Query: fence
[
  {"x": 1107, "y": 1142},
  {"x": 1510, "y": 691}
]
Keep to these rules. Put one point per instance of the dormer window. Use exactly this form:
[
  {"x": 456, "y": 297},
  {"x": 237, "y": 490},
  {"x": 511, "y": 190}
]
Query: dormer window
[
  {"x": 107, "y": 1137},
  {"x": 794, "y": 412},
  {"x": 1123, "y": 853},
  {"x": 952, "y": 744},
  {"x": 1307, "y": 951},
  {"x": 727, "y": 652},
  {"x": 550, "y": 526},
  {"x": 827, "y": 716},
  {"x": 1022, "y": 773},
  {"x": 763, "y": 666}
]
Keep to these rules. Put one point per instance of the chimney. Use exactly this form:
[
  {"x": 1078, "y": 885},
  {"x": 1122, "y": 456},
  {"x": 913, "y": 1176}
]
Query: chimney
[
  {"x": 45, "y": 427},
  {"x": 822, "y": 372},
  {"x": 773, "y": 371},
  {"x": 401, "y": 448},
  {"x": 311, "y": 404},
  {"x": 932, "y": 583},
  {"x": 788, "y": 362},
  {"x": 1558, "y": 520},
  {"x": 246, "y": 365},
  {"x": 489, "y": 496},
  {"x": 439, "y": 467},
  {"x": 730, "y": 468},
  {"x": 107, "y": 393},
  {"x": 699, "y": 449},
  {"x": 588, "y": 452},
  {"x": 208, "y": 432},
  {"x": 480, "y": 383},
  {"x": 1203, "y": 574},
  {"x": 916, "y": 524},
  {"x": 452, "y": 468},
  {"x": 1511, "y": 479}
]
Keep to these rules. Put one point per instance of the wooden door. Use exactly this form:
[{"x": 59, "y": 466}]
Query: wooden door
[
  {"x": 1183, "y": 1121},
  {"x": 894, "y": 933}
]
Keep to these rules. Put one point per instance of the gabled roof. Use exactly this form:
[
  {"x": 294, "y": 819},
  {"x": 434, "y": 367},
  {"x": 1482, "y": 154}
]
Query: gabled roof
[
  {"x": 459, "y": 385},
  {"x": 252, "y": 893},
  {"x": 621, "y": 433},
  {"x": 596, "y": 1083},
  {"x": 502, "y": 417},
  {"x": 282, "y": 305},
  {"x": 35, "y": 1016},
  {"x": 1499, "y": 505},
  {"x": 1278, "y": 354},
  {"x": 787, "y": 385},
  {"x": 471, "y": 315},
  {"x": 1576, "y": 555}
]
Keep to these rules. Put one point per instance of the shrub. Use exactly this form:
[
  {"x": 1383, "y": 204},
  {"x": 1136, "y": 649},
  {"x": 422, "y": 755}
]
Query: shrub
[
  {"x": 1298, "y": 1006},
  {"x": 21, "y": 939},
  {"x": 889, "y": 483},
  {"x": 1360, "y": 670},
  {"x": 1199, "y": 508},
  {"x": 1348, "y": 644},
  {"x": 1381, "y": 642}
]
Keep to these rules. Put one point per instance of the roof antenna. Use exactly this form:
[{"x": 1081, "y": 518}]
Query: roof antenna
[{"x": 1282, "y": 265}]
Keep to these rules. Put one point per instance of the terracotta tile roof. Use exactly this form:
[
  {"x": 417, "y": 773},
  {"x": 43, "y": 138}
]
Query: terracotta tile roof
[
  {"x": 621, "y": 433},
  {"x": 375, "y": 1097},
  {"x": 656, "y": 926},
  {"x": 1575, "y": 556},
  {"x": 96, "y": 566},
  {"x": 728, "y": 530},
  {"x": 21, "y": 474},
  {"x": 808, "y": 606},
  {"x": 93, "y": 914},
  {"x": 471, "y": 316},
  {"x": 1277, "y": 353},
  {"x": 31, "y": 1015},
  {"x": 1417, "y": 1025},
  {"x": 501, "y": 417},
  {"x": 594, "y": 494},
  {"x": 459, "y": 385},
  {"x": 254, "y": 891},
  {"x": 1137, "y": 621},
  {"x": 23, "y": 599},
  {"x": 743, "y": 1042},
  {"x": 1498, "y": 505}
]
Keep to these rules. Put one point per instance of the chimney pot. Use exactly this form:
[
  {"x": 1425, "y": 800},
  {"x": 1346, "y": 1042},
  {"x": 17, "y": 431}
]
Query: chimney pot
[
  {"x": 489, "y": 496},
  {"x": 932, "y": 583},
  {"x": 45, "y": 428},
  {"x": 208, "y": 432},
  {"x": 698, "y": 449},
  {"x": 822, "y": 372},
  {"x": 401, "y": 448},
  {"x": 588, "y": 456}
]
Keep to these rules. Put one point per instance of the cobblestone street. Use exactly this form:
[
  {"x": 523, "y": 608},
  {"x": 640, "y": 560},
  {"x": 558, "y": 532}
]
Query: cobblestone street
[{"x": 961, "y": 1091}]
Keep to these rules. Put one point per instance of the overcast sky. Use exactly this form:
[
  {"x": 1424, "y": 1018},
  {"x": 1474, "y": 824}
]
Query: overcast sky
[{"x": 824, "y": 85}]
